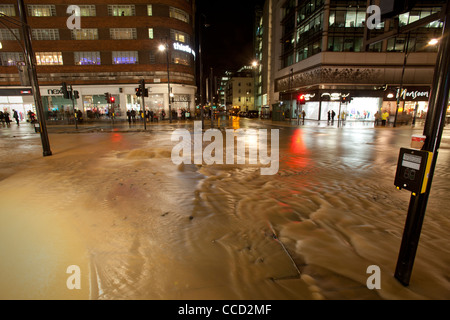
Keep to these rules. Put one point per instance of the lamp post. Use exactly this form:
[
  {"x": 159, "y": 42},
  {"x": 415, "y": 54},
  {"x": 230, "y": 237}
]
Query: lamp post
[
  {"x": 165, "y": 47},
  {"x": 432, "y": 42},
  {"x": 31, "y": 62}
]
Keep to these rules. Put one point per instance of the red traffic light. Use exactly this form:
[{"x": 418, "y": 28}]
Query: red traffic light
[
  {"x": 302, "y": 99},
  {"x": 113, "y": 99}
]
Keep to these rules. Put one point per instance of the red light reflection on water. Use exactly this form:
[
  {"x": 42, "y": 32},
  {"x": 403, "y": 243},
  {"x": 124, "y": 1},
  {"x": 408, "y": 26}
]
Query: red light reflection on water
[
  {"x": 116, "y": 137},
  {"x": 299, "y": 153}
]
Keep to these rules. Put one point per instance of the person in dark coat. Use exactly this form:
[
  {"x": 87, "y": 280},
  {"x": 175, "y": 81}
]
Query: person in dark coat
[
  {"x": 16, "y": 116},
  {"x": 7, "y": 119}
]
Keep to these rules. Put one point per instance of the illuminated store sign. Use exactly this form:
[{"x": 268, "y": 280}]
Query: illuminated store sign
[{"x": 182, "y": 47}]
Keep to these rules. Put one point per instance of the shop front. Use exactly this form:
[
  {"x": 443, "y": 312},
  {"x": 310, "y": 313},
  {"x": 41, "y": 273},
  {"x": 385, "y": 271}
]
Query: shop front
[
  {"x": 413, "y": 101},
  {"x": 20, "y": 100},
  {"x": 320, "y": 103}
]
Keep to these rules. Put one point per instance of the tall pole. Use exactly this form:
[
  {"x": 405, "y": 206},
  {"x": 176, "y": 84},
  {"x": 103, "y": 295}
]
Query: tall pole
[
  {"x": 434, "y": 126},
  {"x": 399, "y": 94},
  {"x": 73, "y": 106},
  {"x": 142, "y": 84},
  {"x": 31, "y": 62},
  {"x": 168, "y": 82}
]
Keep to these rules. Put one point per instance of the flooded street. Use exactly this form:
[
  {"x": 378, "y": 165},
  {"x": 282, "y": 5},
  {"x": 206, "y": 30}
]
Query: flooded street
[{"x": 140, "y": 227}]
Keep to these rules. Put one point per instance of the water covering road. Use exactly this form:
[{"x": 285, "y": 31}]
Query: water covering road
[{"x": 140, "y": 227}]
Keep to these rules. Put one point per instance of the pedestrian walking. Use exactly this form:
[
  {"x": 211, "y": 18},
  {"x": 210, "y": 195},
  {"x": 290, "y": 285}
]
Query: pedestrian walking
[
  {"x": 329, "y": 116},
  {"x": 2, "y": 118},
  {"x": 333, "y": 114},
  {"x": 303, "y": 116},
  {"x": 16, "y": 116},
  {"x": 133, "y": 116}
]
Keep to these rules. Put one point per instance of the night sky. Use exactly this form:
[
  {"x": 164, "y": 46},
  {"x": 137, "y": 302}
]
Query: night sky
[{"x": 228, "y": 40}]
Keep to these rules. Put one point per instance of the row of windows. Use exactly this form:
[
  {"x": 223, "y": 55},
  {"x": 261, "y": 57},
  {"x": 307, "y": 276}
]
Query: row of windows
[
  {"x": 90, "y": 11},
  {"x": 91, "y": 34},
  {"x": 91, "y": 58}
]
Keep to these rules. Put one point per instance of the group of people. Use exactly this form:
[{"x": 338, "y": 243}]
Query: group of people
[
  {"x": 151, "y": 116},
  {"x": 6, "y": 120},
  {"x": 384, "y": 118}
]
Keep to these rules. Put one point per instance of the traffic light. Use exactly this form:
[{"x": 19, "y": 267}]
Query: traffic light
[
  {"x": 108, "y": 97},
  {"x": 138, "y": 92},
  {"x": 346, "y": 99},
  {"x": 76, "y": 95},
  {"x": 301, "y": 99},
  {"x": 112, "y": 99},
  {"x": 144, "y": 91},
  {"x": 65, "y": 91}
]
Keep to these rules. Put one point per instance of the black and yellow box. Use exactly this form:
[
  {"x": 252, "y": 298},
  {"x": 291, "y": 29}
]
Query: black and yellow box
[{"x": 413, "y": 170}]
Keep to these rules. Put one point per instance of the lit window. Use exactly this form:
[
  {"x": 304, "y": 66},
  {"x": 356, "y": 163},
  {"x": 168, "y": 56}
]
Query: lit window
[
  {"x": 85, "y": 34},
  {"x": 125, "y": 57},
  {"x": 179, "y": 14},
  {"x": 121, "y": 10},
  {"x": 87, "y": 58},
  {"x": 5, "y": 34},
  {"x": 150, "y": 33},
  {"x": 49, "y": 58},
  {"x": 87, "y": 10},
  {"x": 8, "y": 10},
  {"x": 10, "y": 58},
  {"x": 179, "y": 36},
  {"x": 123, "y": 33},
  {"x": 149, "y": 10},
  {"x": 179, "y": 57},
  {"x": 41, "y": 10},
  {"x": 45, "y": 34}
]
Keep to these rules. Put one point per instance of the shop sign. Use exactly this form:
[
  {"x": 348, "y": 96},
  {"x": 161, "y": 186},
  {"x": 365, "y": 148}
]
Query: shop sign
[
  {"x": 334, "y": 96},
  {"x": 15, "y": 92},
  {"x": 408, "y": 94},
  {"x": 182, "y": 47},
  {"x": 55, "y": 91}
]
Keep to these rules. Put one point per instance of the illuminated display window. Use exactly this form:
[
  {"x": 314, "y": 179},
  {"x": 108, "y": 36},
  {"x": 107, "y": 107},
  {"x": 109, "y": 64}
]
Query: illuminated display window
[
  {"x": 125, "y": 57},
  {"x": 87, "y": 58},
  {"x": 49, "y": 58}
]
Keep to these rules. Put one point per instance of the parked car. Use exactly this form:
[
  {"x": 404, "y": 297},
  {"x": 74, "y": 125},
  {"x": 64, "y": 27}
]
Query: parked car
[{"x": 242, "y": 114}]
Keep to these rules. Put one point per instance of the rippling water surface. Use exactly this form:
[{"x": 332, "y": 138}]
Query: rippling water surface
[{"x": 141, "y": 227}]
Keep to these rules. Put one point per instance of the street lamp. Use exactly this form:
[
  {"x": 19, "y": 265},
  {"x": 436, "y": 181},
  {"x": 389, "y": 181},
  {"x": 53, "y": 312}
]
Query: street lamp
[
  {"x": 162, "y": 48},
  {"x": 432, "y": 42}
]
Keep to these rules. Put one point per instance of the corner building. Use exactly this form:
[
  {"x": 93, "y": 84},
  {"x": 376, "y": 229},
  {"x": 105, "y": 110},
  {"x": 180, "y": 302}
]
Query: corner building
[
  {"x": 116, "y": 47},
  {"x": 316, "y": 48}
]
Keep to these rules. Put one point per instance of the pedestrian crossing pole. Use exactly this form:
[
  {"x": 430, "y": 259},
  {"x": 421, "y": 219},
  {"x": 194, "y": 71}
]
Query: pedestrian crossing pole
[{"x": 434, "y": 125}]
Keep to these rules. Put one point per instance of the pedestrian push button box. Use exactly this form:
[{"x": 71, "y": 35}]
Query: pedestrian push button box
[{"x": 413, "y": 169}]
